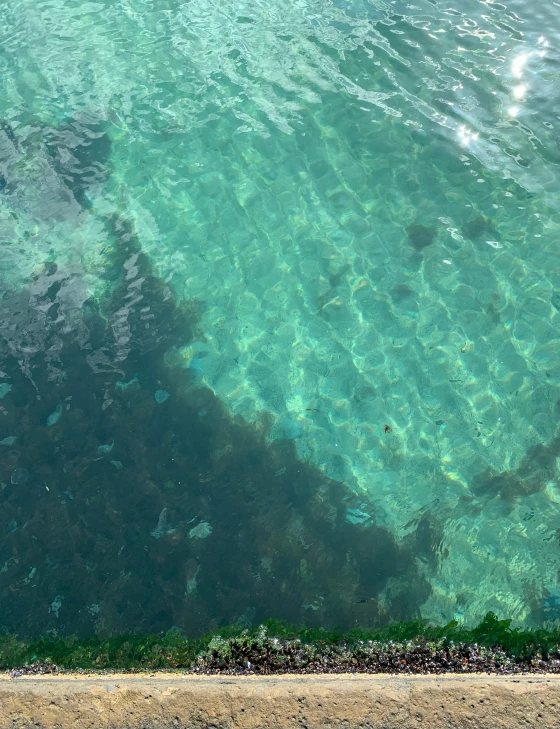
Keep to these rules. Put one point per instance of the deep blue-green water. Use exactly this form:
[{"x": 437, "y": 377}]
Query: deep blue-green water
[{"x": 279, "y": 313}]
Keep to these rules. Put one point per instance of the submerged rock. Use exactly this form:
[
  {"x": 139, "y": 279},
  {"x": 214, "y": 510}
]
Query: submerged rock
[
  {"x": 107, "y": 448},
  {"x": 161, "y": 396},
  {"x": 480, "y": 228},
  {"x": 80, "y": 153},
  {"x": 54, "y": 417},
  {"x": 356, "y": 516},
  {"x": 200, "y": 531},
  {"x": 163, "y": 527},
  {"x": 56, "y": 605},
  {"x": 19, "y": 476},
  {"x": 420, "y": 236},
  {"x": 196, "y": 368},
  {"x": 290, "y": 428},
  {"x": 119, "y": 385}
]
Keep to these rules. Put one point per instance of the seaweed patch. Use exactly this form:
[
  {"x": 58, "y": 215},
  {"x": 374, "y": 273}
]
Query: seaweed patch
[
  {"x": 420, "y": 236},
  {"x": 416, "y": 647},
  {"x": 149, "y": 510}
]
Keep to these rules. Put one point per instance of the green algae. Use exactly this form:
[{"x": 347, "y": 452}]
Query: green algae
[{"x": 493, "y": 641}]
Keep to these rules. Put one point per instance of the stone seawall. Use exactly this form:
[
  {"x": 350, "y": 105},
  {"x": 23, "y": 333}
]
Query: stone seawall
[{"x": 160, "y": 701}]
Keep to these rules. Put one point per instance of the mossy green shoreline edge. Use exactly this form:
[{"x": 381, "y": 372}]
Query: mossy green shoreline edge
[{"x": 415, "y": 647}]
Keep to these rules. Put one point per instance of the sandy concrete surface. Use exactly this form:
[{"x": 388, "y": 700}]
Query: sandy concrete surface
[{"x": 343, "y": 701}]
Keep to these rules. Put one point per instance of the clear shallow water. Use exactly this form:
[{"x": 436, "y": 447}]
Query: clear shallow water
[{"x": 280, "y": 313}]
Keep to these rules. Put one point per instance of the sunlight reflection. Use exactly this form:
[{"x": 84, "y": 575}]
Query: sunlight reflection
[
  {"x": 518, "y": 64},
  {"x": 519, "y": 67},
  {"x": 542, "y": 41},
  {"x": 467, "y": 135}
]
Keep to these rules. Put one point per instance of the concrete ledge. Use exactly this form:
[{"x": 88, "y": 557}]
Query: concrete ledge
[{"x": 369, "y": 702}]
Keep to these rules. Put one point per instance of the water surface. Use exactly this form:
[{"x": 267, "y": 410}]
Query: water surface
[{"x": 280, "y": 298}]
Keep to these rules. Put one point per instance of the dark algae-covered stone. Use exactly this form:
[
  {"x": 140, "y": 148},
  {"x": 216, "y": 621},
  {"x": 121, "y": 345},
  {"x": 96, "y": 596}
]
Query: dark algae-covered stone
[
  {"x": 479, "y": 228},
  {"x": 420, "y": 236}
]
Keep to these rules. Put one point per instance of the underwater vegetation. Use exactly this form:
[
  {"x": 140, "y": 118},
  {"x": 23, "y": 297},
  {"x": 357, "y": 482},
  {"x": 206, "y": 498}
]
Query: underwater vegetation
[
  {"x": 80, "y": 153},
  {"x": 275, "y": 647},
  {"x": 532, "y": 475},
  {"x": 420, "y": 236},
  {"x": 47, "y": 175},
  {"x": 130, "y": 497},
  {"x": 479, "y": 228},
  {"x": 192, "y": 519}
]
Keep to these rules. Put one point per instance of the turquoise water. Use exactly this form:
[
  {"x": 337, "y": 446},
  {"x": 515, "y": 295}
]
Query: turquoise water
[{"x": 280, "y": 305}]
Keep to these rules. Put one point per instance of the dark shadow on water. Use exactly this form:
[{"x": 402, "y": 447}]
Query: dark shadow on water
[{"x": 121, "y": 513}]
